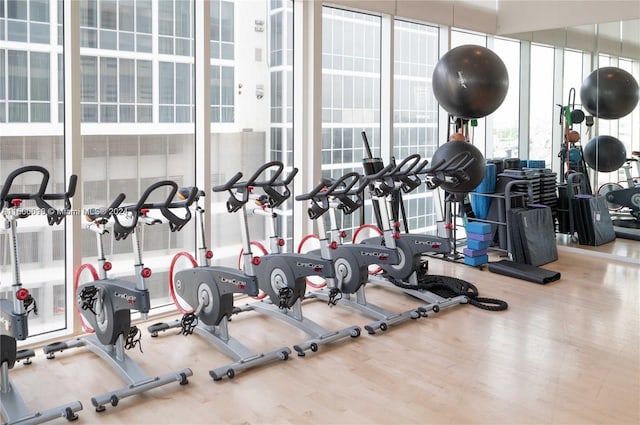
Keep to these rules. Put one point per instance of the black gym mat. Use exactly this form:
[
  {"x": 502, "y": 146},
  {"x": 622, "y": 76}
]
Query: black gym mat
[
  {"x": 627, "y": 223},
  {"x": 593, "y": 222},
  {"x": 627, "y": 233},
  {"x": 532, "y": 235},
  {"x": 524, "y": 272}
]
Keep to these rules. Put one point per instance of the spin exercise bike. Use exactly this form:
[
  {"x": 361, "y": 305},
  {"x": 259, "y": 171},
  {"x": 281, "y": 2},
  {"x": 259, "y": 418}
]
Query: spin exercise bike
[
  {"x": 106, "y": 304},
  {"x": 619, "y": 197},
  {"x": 406, "y": 275},
  {"x": 14, "y": 313},
  {"x": 281, "y": 276},
  {"x": 351, "y": 262},
  {"x": 209, "y": 291}
]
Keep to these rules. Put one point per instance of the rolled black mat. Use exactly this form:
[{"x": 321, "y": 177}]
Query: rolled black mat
[
  {"x": 627, "y": 233},
  {"x": 524, "y": 271}
]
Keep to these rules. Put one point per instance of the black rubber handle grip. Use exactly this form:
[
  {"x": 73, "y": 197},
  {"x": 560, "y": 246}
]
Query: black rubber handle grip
[
  {"x": 142, "y": 202},
  {"x": 71, "y": 190},
  {"x": 277, "y": 166},
  {"x": 229, "y": 184},
  {"x": 102, "y": 212}
]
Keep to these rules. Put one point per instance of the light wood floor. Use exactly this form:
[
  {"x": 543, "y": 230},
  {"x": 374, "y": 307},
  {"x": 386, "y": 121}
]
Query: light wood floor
[{"x": 568, "y": 353}]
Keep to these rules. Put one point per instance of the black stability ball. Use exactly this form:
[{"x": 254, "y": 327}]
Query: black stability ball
[
  {"x": 470, "y": 81},
  {"x": 453, "y": 153},
  {"x": 605, "y": 153},
  {"x": 609, "y": 93}
]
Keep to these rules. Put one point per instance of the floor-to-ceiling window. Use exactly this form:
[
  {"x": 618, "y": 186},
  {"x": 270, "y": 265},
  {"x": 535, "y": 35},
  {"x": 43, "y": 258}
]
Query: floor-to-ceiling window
[
  {"x": 350, "y": 90},
  {"x": 137, "y": 97},
  {"x": 506, "y": 119},
  {"x": 541, "y": 110},
  {"x": 573, "y": 75},
  {"x": 281, "y": 95},
  {"x": 31, "y": 133},
  {"x": 415, "y": 110},
  {"x": 251, "y": 108}
]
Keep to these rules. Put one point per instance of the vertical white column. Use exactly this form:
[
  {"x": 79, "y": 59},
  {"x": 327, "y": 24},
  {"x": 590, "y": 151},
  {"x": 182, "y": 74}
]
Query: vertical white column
[
  {"x": 386, "y": 87},
  {"x": 307, "y": 115},
  {"x": 443, "y": 116},
  {"x": 203, "y": 104},
  {"x": 595, "y": 130},
  {"x": 558, "y": 99},
  {"x": 488, "y": 120},
  {"x": 525, "y": 97},
  {"x": 72, "y": 149}
]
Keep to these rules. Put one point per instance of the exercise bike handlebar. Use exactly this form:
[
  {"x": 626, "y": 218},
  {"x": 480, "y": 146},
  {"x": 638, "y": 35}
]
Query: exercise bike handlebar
[
  {"x": 342, "y": 190},
  {"x": 66, "y": 196},
  {"x": 406, "y": 173},
  {"x": 186, "y": 191},
  {"x": 409, "y": 166},
  {"x": 239, "y": 191},
  {"x": 229, "y": 184},
  {"x": 102, "y": 214},
  {"x": 454, "y": 169},
  {"x": 176, "y": 223},
  {"x": 7, "y": 197},
  {"x": 276, "y": 197},
  {"x": 273, "y": 181},
  {"x": 401, "y": 176},
  {"x": 121, "y": 231},
  {"x": 269, "y": 185},
  {"x": 54, "y": 216}
]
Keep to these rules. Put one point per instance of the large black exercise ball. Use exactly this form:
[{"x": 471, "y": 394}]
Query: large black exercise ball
[
  {"x": 609, "y": 93},
  {"x": 605, "y": 153},
  {"x": 470, "y": 81},
  {"x": 456, "y": 152}
]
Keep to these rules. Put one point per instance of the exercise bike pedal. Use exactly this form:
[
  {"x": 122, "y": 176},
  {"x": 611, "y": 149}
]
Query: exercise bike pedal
[{"x": 157, "y": 327}]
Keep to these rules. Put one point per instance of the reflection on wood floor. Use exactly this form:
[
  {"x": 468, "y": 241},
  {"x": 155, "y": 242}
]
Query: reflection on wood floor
[
  {"x": 567, "y": 352},
  {"x": 625, "y": 250}
]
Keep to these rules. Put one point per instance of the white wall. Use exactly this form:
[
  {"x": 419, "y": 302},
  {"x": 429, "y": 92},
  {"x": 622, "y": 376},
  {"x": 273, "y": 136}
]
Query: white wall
[
  {"x": 516, "y": 16},
  {"x": 252, "y": 72}
]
